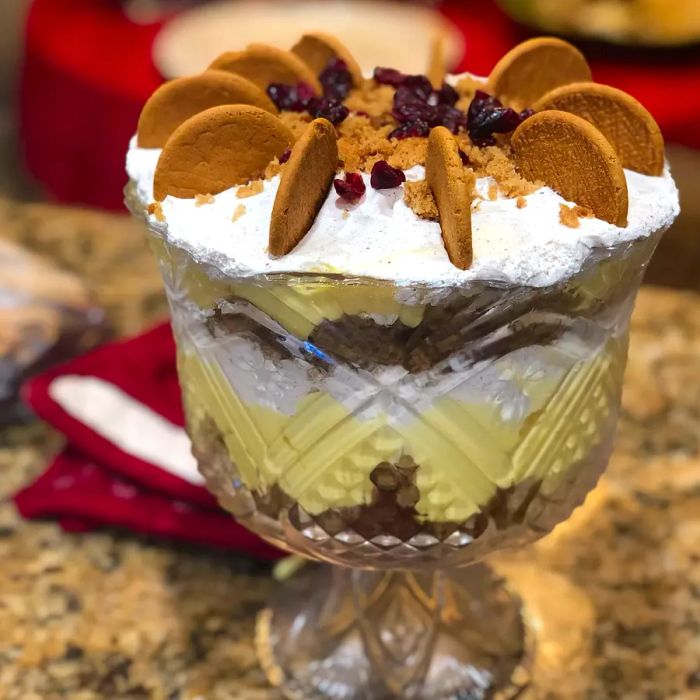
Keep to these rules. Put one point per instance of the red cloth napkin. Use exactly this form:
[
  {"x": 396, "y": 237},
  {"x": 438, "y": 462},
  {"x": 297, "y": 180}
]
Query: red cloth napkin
[{"x": 118, "y": 407}]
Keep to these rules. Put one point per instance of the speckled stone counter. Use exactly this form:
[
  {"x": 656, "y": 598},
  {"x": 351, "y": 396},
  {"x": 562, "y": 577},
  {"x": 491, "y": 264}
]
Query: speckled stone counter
[{"x": 117, "y": 617}]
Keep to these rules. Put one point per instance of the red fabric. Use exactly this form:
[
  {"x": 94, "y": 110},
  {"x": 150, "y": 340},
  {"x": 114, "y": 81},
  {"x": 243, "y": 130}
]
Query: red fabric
[
  {"x": 88, "y": 70},
  {"x": 94, "y": 483}
]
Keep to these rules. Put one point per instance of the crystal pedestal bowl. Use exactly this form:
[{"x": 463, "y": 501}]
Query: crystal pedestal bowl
[{"x": 401, "y": 434}]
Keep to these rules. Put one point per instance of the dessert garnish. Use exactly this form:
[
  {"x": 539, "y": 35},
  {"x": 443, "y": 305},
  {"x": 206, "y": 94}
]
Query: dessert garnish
[
  {"x": 535, "y": 67},
  {"x": 572, "y": 157},
  {"x": 217, "y": 149},
  {"x": 177, "y": 100},
  {"x": 201, "y": 200},
  {"x": 319, "y": 50},
  {"x": 292, "y": 98},
  {"x": 487, "y": 116},
  {"x": 303, "y": 187},
  {"x": 418, "y": 108},
  {"x": 389, "y": 76},
  {"x": 437, "y": 69},
  {"x": 452, "y": 185},
  {"x": 623, "y": 121},
  {"x": 302, "y": 98},
  {"x": 351, "y": 188},
  {"x": 238, "y": 212},
  {"x": 264, "y": 65},
  {"x": 384, "y": 177},
  {"x": 537, "y": 120}
]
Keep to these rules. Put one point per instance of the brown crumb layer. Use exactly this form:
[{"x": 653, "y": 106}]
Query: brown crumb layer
[
  {"x": 363, "y": 140},
  {"x": 418, "y": 196}
]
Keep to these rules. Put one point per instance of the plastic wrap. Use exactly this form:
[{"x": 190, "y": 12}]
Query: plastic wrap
[{"x": 46, "y": 316}]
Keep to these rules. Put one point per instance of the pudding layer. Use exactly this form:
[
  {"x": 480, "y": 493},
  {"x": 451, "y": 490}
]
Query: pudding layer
[{"x": 320, "y": 435}]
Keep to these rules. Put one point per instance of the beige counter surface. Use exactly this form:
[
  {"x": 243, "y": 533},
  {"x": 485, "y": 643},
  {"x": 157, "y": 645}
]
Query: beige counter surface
[{"x": 111, "y": 616}]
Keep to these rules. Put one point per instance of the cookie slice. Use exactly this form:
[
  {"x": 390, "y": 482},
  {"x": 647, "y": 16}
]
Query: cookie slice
[
  {"x": 264, "y": 65},
  {"x": 177, "y": 100},
  {"x": 304, "y": 185},
  {"x": 437, "y": 69},
  {"x": 535, "y": 67},
  {"x": 452, "y": 185},
  {"x": 572, "y": 157},
  {"x": 217, "y": 149},
  {"x": 623, "y": 121},
  {"x": 317, "y": 49}
]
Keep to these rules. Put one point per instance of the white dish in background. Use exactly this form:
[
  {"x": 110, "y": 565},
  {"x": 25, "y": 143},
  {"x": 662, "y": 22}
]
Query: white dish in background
[{"x": 377, "y": 33}]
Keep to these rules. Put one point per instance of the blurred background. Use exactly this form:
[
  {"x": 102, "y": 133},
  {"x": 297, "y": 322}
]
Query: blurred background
[{"x": 75, "y": 271}]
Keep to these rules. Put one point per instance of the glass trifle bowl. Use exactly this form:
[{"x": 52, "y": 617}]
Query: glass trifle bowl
[
  {"x": 401, "y": 434},
  {"x": 401, "y": 311}
]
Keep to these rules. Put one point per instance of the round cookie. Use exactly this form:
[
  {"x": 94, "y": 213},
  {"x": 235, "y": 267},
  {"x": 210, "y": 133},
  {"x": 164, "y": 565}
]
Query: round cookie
[
  {"x": 572, "y": 157},
  {"x": 264, "y": 65},
  {"x": 452, "y": 185},
  {"x": 176, "y": 101},
  {"x": 316, "y": 49},
  {"x": 217, "y": 149},
  {"x": 304, "y": 185},
  {"x": 437, "y": 69},
  {"x": 535, "y": 67},
  {"x": 624, "y": 122}
]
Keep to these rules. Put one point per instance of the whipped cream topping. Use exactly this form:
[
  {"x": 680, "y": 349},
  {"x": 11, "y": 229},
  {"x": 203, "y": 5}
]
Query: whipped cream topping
[{"x": 381, "y": 237}]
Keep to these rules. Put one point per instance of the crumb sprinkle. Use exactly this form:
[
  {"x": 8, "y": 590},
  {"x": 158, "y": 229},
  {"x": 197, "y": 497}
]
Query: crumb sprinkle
[
  {"x": 346, "y": 214},
  {"x": 238, "y": 213},
  {"x": 250, "y": 190},
  {"x": 419, "y": 197},
  {"x": 568, "y": 217},
  {"x": 156, "y": 209},
  {"x": 493, "y": 191},
  {"x": 201, "y": 200},
  {"x": 521, "y": 202}
]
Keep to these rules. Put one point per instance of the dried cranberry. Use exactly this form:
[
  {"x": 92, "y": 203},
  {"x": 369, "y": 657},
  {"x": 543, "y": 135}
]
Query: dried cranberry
[
  {"x": 389, "y": 76},
  {"x": 336, "y": 79},
  {"x": 384, "y": 177},
  {"x": 487, "y": 116},
  {"x": 285, "y": 155},
  {"x": 526, "y": 114},
  {"x": 447, "y": 95},
  {"x": 351, "y": 188},
  {"x": 403, "y": 131},
  {"x": 409, "y": 107},
  {"x": 419, "y": 85},
  {"x": 450, "y": 117},
  {"x": 333, "y": 110},
  {"x": 292, "y": 98}
]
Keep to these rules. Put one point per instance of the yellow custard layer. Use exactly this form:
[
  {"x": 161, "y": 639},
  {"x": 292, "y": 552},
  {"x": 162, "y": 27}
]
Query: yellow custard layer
[{"x": 323, "y": 454}]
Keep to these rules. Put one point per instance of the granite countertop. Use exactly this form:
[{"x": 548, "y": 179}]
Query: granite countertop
[{"x": 115, "y": 617}]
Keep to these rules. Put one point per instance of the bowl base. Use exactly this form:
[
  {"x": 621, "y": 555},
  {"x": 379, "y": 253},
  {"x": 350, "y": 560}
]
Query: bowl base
[{"x": 344, "y": 634}]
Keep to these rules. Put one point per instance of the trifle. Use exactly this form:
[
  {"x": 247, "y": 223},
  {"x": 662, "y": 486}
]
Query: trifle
[{"x": 401, "y": 305}]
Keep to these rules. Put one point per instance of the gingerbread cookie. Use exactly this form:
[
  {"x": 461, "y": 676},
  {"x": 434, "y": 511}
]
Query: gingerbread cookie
[
  {"x": 177, "y": 100},
  {"x": 317, "y": 49},
  {"x": 572, "y": 157},
  {"x": 304, "y": 185},
  {"x": 437, "y": 68},
  {"x": 217, "y": 149},
  {"x": 623, "y": 121},
  {"x": 452, "y": 185},
  {"x": 535, "y": 67},
  {"x": 264, "y": 65}
]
